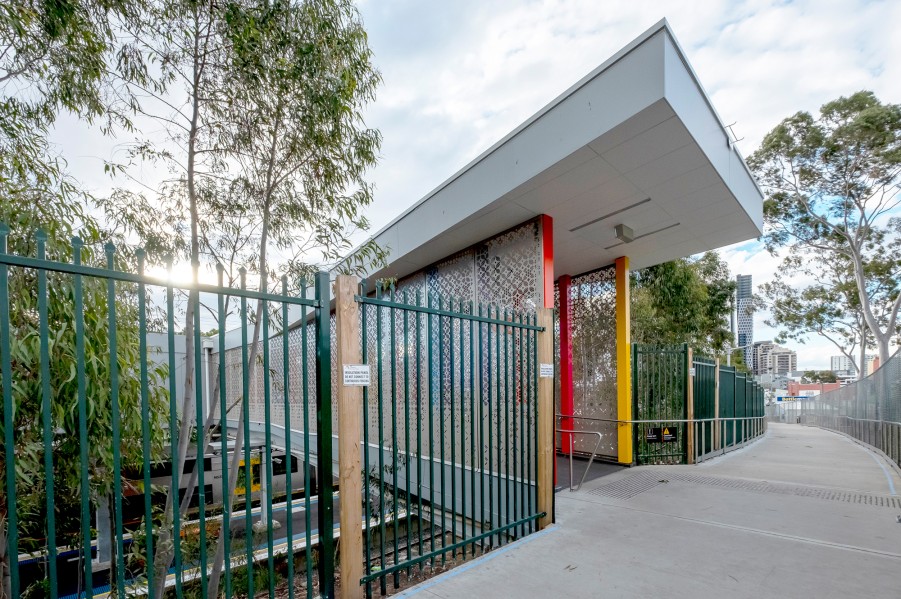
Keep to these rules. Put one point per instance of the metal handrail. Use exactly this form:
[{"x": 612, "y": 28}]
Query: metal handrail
[
  {"x": 590, "y": 460},
  {"x": 758, "y": 424},
  {"x": 680, "y": 420}
]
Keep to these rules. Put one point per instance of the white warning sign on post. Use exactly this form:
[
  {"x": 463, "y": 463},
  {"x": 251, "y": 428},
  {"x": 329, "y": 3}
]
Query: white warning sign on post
[
  {"x": 546, "y": 371},
  {"x": 356, "y": 375}
]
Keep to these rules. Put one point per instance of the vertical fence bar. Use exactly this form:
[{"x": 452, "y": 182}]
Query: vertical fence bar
[
  {"x": 482, "y": 424},
  {"x": 418, "y": 334},
  {"x": 266, "y": 501},
  {"x": 12, "y": 516},
  {"x": 173, "y": 439},
  {"x": 349, "y": 405},
  {"x": 248, "y": 463},
  {"x": 201, "y": 443},
  {"x": 462, "y": 349},
  {"x": 690, "y": 404},
  {"x": 115, "y": 416},
  {"x": 406, "y": 350},
  {"x": 499, "y": 396},
  {"x": 491, "y": 394},
  {"x": 532, "y": 377},
  {"x": 307, "y": 481},
  {"x": 381, "y": 446},
  {"x": 452, "y": 388},
  {"x": 82, "y": 419},
  {"x": 441, "y": 438},
  {"x": 518, "y": 439},
  {"x": 392, "y": 337},
  {"x": 225, "y": 531},
  {"x": 510, "y": 417},
  {"x": 472, "y": 428},
  {"x": 46, "y": 409},
  {"x": 429, "y": 331},
  {"x": 367, "y": 493},
  {"x": 324, "y": 438},
  {"x": 289, "y": 433},
  {"x": 145, "y": 419}
]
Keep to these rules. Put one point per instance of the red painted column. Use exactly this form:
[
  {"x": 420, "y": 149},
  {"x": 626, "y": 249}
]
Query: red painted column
[
  {"x": 566, "y": 363},
  {"x": 547, "y": 260}
]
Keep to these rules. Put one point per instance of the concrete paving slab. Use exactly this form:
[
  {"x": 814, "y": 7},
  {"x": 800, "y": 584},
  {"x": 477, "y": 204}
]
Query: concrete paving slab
[{"x": 802, "y": 512}]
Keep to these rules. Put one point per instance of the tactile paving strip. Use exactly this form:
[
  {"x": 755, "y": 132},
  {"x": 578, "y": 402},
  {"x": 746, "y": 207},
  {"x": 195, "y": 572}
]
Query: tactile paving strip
[
  {"x": 629, "y": 487},
  {"x": 638, "y": 483}
]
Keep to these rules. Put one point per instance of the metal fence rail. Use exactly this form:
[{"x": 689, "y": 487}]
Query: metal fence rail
[
  {"x": 453, "y": 407},
  {"x": 868, "y": 410},
  {"x": 101, "y": 458}
]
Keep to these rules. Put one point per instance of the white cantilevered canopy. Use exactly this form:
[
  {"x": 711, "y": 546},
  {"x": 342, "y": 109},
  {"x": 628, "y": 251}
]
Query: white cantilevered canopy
[{"x": 636, "y": 143}]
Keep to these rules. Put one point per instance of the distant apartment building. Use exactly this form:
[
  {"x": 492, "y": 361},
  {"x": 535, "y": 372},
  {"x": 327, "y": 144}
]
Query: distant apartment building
[
  {"x": 744, "y": 296},
  {"x": 871, "y": 365},
  {"x": 760, "y": 355},
  {"x": 783, "y": 360},
  {"x": 842, "y": 365},
  {"x": 768, "y": 358}
]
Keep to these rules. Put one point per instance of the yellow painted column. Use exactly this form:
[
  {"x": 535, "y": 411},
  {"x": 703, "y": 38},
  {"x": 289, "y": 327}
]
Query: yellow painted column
[{"x": 623, "y": 361}]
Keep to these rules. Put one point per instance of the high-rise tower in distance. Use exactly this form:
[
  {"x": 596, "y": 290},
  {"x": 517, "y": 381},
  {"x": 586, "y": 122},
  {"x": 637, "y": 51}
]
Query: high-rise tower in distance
[{"x": 744, "y": 296}]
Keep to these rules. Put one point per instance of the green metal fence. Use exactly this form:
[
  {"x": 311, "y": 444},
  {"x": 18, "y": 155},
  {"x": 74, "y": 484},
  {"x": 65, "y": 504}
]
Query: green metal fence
[
  {"x": 660, "y": 393},
  {"x": 868, "y": 410},
  {"x": 728, "y": 412},
  {"x": 705, "y": 402},
  {"x": 450, "y": 431},
  {"x": 725, "y": 409},
  {"x": 112, "y": 485}
]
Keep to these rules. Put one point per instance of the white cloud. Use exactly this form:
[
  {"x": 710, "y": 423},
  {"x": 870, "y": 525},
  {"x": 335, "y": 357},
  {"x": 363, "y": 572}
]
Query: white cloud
[{"x": 460, "y": 75}]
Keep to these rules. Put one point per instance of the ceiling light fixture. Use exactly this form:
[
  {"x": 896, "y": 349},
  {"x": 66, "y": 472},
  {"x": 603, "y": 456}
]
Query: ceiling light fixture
[
  {"x": 624, "y": 233},
  {"x": 643, "y": 235}
]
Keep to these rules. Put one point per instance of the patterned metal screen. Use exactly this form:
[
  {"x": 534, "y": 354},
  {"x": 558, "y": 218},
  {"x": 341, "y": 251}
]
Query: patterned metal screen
[
  {"x": 504, "y": 271},
  {"x": 592, "y": 299}
]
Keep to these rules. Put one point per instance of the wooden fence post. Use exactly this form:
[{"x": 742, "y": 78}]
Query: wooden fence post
[
  {"x": 546, "y": 418},
  {"x": 350, "y": 414},
  {"x": 690, "y": 400}
]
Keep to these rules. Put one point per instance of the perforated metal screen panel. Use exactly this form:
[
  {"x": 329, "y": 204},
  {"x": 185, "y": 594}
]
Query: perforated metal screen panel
[{"x": 592, "y": 314}]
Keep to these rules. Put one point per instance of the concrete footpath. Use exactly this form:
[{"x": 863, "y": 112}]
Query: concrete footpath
[{"x": 800, "y": 513}]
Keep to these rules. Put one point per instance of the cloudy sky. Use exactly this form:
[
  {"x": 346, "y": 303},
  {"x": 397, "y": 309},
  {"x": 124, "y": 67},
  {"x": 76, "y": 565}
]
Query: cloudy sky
[{"x": 460, "y": 74}]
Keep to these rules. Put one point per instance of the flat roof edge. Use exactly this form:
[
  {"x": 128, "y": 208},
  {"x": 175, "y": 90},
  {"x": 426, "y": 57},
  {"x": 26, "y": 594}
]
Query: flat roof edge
[{"x": 661, "y": 25}]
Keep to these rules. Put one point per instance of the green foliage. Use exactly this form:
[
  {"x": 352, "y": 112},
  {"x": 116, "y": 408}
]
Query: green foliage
[
  {"x": 819, "y": 376},
  {"x": 684, "y": 301},
  {"x": 55, "y": 218},
  {"x": 738, "y": 361},
  {"x": 832, "y": 200}
]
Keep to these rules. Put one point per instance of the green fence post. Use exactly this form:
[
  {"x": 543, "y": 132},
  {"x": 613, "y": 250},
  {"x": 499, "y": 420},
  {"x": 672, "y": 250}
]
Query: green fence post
[{"x": 324, "y": 438}]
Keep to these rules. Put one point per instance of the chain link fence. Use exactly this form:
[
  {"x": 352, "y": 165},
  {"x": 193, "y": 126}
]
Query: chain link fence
[{"x": 868, "y": 410}]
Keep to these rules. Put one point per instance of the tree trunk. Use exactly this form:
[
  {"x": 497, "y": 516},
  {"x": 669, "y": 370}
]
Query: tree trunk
[
  {"x": 862, "y": 361},
  {"x": 218, "y": 560}
]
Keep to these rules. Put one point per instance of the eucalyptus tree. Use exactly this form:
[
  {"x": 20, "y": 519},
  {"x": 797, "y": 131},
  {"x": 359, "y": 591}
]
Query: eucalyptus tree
[
  {"x": 181, "y": 44},
  {"x": 832, "y": 187},
  {"x": 300, "y": 146},
  {"x": 62, "y": 57},
  {"x": 684, "y": 301},
  {"x": 829, "y": 305},
  {"x": 262, "y": 109}
]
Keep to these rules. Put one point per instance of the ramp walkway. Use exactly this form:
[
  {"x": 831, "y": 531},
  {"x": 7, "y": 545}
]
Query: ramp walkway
[{"x": 801, "y": 513}]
